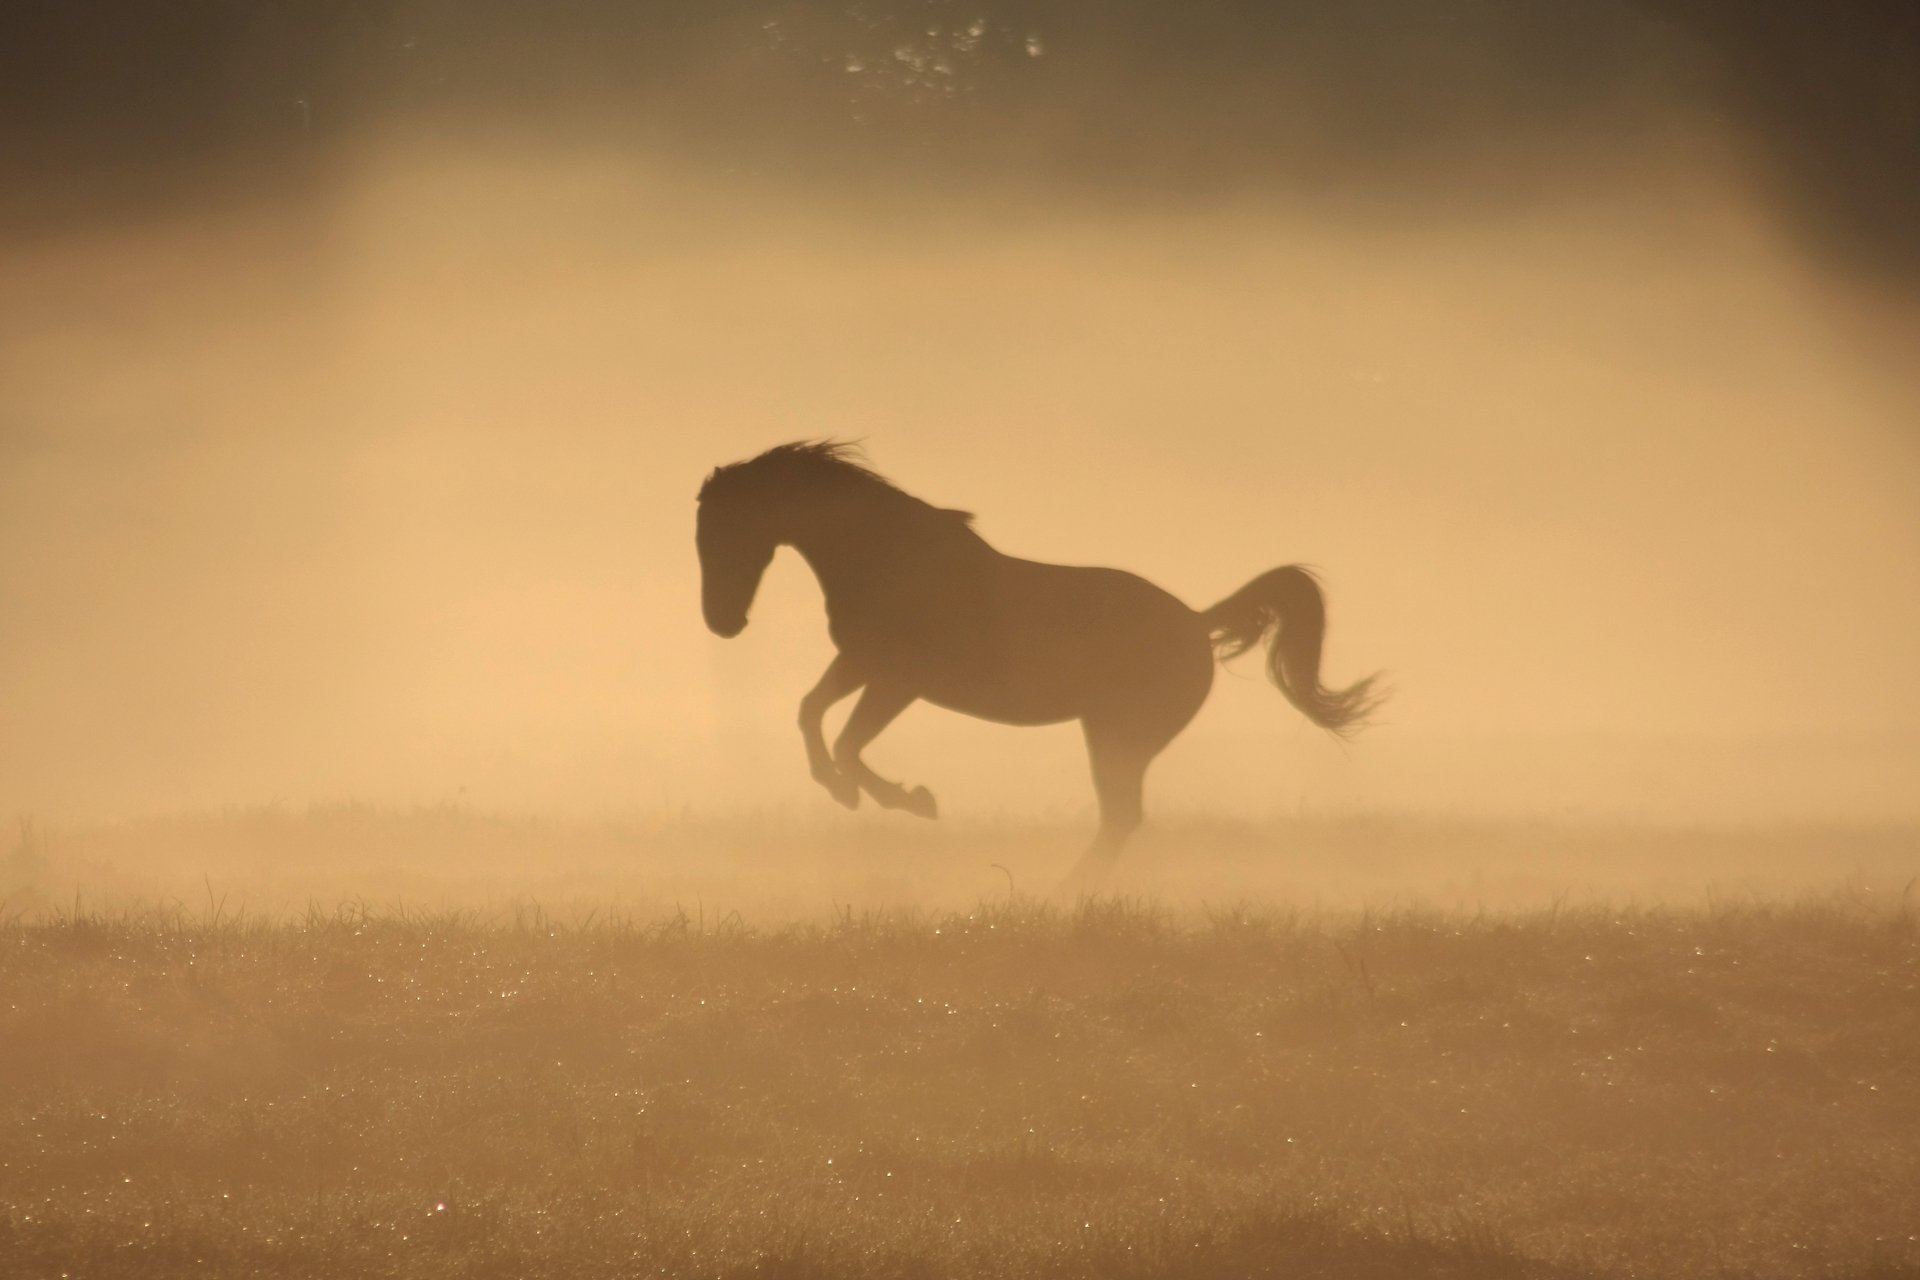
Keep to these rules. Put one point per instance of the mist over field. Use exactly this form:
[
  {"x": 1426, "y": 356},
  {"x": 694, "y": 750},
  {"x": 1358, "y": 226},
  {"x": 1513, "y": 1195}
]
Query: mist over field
[
  {"x": 399, "y": 878},
  {"x": 355, "y": 395}
]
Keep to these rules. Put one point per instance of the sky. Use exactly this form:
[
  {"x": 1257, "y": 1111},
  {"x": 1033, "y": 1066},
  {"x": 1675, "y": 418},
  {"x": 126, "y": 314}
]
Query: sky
[{"x": 351, "y": 415}]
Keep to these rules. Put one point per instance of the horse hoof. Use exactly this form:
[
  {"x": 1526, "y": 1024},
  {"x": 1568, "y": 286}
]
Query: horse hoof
[
  {"x": 920, "y": 803},
  {"x": 848, "y": 796}
]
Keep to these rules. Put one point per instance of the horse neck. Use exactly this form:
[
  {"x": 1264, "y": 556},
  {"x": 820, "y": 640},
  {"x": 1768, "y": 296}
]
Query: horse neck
[{"x": 838, "y": 537}]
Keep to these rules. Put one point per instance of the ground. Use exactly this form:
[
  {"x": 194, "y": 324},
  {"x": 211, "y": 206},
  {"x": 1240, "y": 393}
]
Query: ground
[{"x": 1123, "y": 1087}]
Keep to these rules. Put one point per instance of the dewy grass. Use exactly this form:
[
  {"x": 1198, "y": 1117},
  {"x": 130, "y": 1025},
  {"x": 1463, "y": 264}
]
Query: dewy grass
[{"x": 1119, "y": 1088}]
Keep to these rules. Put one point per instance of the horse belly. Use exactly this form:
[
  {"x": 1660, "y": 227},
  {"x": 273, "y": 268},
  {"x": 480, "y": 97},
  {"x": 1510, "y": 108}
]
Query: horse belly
[
  {"x": 1008, "y": 706},
  {"x": 975, "y": 676},
  {"x": 1043, "y": 676}
]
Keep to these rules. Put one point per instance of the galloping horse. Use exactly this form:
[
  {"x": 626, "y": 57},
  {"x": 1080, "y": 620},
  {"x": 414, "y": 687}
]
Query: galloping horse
[{"x": 920, "y": 606}]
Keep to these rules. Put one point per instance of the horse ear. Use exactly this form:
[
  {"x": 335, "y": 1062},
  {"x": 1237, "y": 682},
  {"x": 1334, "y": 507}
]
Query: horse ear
[{"x": 959, "y": 517}]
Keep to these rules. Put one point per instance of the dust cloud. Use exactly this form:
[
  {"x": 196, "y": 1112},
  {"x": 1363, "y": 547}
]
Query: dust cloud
[
  {"x": 374, "y": 483},
  {"x": 397, "y": 877}
]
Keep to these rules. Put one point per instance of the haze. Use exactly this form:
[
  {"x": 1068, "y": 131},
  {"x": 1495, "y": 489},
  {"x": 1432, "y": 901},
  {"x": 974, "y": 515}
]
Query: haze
[
  {"x": 398, "y": 878},
  {"x": 379, "y": 488}
]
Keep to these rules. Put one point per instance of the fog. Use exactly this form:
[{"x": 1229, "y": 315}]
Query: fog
[
  {"x": 398, "y": 877},
  {"x": 378, "y": 485}
]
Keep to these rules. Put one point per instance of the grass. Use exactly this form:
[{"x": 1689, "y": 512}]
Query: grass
[
  {"x": 784, "y": 866},
  {"x": 1124, "y": 1088}
]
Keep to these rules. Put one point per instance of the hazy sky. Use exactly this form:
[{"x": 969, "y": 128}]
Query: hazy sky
[{"x": 384, "y": 490}]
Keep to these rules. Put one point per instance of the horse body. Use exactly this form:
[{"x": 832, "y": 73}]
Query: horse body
[
  {"x": 1024, "y": 643},
  {"x": 921, "y": 607}
]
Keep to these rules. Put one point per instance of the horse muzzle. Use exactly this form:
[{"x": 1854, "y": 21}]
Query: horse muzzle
[
  {"x": 727, "y": 627},
  {"x": 725, "y": 600}
]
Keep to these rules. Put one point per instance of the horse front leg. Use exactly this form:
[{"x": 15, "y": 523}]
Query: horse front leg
[
  {"x": 840, "y": 679},
  {"x": 877, "y": 708}
]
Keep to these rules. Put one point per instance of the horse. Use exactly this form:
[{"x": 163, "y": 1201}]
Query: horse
[{"x": 921, "y": 607}]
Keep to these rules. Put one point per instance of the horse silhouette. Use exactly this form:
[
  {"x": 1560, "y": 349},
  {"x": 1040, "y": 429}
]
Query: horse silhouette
[{"x": 920, "y": 606}]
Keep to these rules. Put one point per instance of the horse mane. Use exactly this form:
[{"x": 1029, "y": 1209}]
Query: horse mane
[{"x": 826, "y": 464}]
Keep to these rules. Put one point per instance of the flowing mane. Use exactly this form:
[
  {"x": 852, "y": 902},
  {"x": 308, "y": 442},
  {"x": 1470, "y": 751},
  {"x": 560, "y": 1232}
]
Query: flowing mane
[{"x": 822, "y": 465}]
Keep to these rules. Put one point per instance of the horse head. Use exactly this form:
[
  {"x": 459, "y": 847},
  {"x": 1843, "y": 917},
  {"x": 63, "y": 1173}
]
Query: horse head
[
  {"x": 736, "y": 541},
  {"x": 783, "y": 496}
]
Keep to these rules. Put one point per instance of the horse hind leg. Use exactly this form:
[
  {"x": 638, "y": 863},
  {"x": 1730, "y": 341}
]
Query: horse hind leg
[
  {"x": 878, "y": 707},
  {"x": 1123, "y": 737},
  {"x": 1119, "y": 761}
]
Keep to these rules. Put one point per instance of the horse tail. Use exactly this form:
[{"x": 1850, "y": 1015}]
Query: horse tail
[{"x": 1284, "y": 606}]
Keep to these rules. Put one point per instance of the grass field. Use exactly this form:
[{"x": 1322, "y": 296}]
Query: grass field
[{"x": 1132, "y": 1087}]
